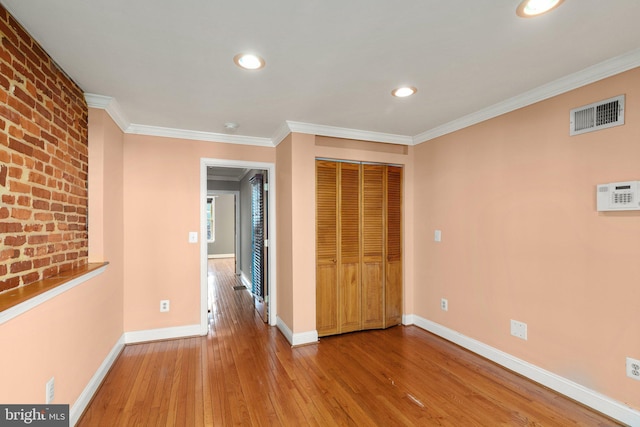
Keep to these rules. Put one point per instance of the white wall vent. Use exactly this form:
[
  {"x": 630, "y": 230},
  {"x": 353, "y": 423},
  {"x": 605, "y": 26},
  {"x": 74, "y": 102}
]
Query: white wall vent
[{"x": 596, "y": 116}]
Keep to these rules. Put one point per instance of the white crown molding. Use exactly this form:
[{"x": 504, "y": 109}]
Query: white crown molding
[
  {"x": 565, "y": 84},
  {"x": 198, "y": 135},
  {"x": 97, "y": 101},
  {"x": 575, "y": 391},
  {"x": 111, "y": 106},
  {"x": 573, "y": 81},
  {"x": 347, "y": 133},
  {"x": 283, "y": 131}
]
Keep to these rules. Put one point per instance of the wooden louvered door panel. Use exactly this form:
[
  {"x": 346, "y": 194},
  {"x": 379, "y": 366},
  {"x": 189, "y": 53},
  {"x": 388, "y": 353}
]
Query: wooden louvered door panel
[
  {"x": 393, "y": 241},
  {"x": 349, "y": 307},
  {"x": 358, "y": 247},
  {"x": 372, "y": 246},
  {"x": 326, "y": 248}
]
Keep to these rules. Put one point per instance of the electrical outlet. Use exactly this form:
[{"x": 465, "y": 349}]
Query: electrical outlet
[
  {"x": 519, "y": 329},
  {"x": 633, "y": 368},
  {"x": 437, "y": 236},
  {"x": 50, "y": 390},
  {"x": 164, "y": 305},
  {"x": 444, "y": 304}
]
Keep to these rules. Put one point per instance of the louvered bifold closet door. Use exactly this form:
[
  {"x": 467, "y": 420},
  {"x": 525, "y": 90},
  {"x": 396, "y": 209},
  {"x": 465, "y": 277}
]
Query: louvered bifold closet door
[
  {"x": 393, "y": 238},
  {"x": 358, "y": 246},
  {"x": 372, "y": 246},
  {"x": 326, "y": 248},
  {"x": 349, "y": 301}
]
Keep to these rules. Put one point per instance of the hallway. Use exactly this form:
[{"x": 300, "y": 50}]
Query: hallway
[
  {"x": 227, "y": 295},
  {"x": 245, "y": 373}
]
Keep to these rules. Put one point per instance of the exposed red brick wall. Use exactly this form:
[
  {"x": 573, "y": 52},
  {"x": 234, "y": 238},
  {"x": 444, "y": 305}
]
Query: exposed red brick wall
[{"x": 43, "y": 163}]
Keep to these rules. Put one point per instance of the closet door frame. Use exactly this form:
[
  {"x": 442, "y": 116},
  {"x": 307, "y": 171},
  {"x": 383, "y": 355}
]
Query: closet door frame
[{"x": 359, "y": 276}]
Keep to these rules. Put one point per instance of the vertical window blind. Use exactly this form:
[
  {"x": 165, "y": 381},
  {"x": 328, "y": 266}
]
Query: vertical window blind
[{"x": 257, "y": 235}]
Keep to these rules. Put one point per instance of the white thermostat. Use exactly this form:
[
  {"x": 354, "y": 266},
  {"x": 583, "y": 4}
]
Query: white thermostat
[{"x": 619, "y": 196}]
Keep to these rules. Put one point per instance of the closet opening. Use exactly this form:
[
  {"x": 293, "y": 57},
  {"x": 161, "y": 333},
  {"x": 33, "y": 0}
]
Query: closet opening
[{"x": 358, "y": 246}]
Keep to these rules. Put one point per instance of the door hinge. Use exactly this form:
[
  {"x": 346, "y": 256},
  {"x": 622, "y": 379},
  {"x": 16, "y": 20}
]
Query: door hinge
[
  {"x": 266, "y": 186},
  {"x": 266, "y": 243}
]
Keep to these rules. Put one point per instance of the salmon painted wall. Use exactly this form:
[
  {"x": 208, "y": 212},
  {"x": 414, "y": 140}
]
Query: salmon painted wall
[
  {"x": 521, "y": 238},
  {"x": 303, "y": 225},
  {"x": 284, "y": 236},
  {"x": 69, "y": 336},
  {"x": 162, "y": 203}
]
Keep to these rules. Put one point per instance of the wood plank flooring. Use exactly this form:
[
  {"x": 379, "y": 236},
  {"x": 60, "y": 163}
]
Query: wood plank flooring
[{"x": 245, "y": 373}]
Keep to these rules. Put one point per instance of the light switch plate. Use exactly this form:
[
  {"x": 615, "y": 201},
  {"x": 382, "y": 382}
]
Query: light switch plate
[
  {"x": 437, "y": 236},
  {"x": 193, "y": 237}
]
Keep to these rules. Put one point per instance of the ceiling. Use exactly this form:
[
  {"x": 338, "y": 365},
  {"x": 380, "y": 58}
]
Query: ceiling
[
  {"x": 167, "y": 66},
  {"x": 225, "y": 173}
]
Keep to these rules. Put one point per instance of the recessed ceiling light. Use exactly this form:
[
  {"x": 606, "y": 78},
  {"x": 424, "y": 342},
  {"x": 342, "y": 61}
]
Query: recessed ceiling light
[
  {"x": 404, "y": 91},
  {"x": 248, "y": 61},
  {"x": 531, "y": 8}
]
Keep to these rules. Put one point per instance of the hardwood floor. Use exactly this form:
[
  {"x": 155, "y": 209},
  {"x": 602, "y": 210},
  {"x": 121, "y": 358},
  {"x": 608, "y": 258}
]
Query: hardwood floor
[{"x": 245, "y": 373}]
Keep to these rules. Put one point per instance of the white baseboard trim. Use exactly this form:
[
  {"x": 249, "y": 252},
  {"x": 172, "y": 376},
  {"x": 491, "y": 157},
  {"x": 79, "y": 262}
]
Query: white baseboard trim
[
  {"x": 575, "y": 391},
  {"x": 408, "y": 319},
  {"x": 162, "y": 334},
  {"x": 85, "y": 397},
  {"x": 213, "y": 256},
  {"x": 245, "y": 280},
  {"x": 127, "y": 338},
  {"x": 288, "y": 333},
  {"x": 301, "y": 338}
]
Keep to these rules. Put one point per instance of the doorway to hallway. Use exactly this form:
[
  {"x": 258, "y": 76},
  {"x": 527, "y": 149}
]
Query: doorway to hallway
[{"x": 254, "y": 253}]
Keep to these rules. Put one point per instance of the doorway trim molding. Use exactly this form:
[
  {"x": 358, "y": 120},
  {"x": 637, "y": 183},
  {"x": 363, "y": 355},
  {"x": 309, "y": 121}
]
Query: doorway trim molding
[{"x": 271, "y": 214}]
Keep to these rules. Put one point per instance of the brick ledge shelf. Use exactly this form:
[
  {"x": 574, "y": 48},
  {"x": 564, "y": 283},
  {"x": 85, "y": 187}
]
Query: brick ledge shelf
[{"x": 20, "y": 300}]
